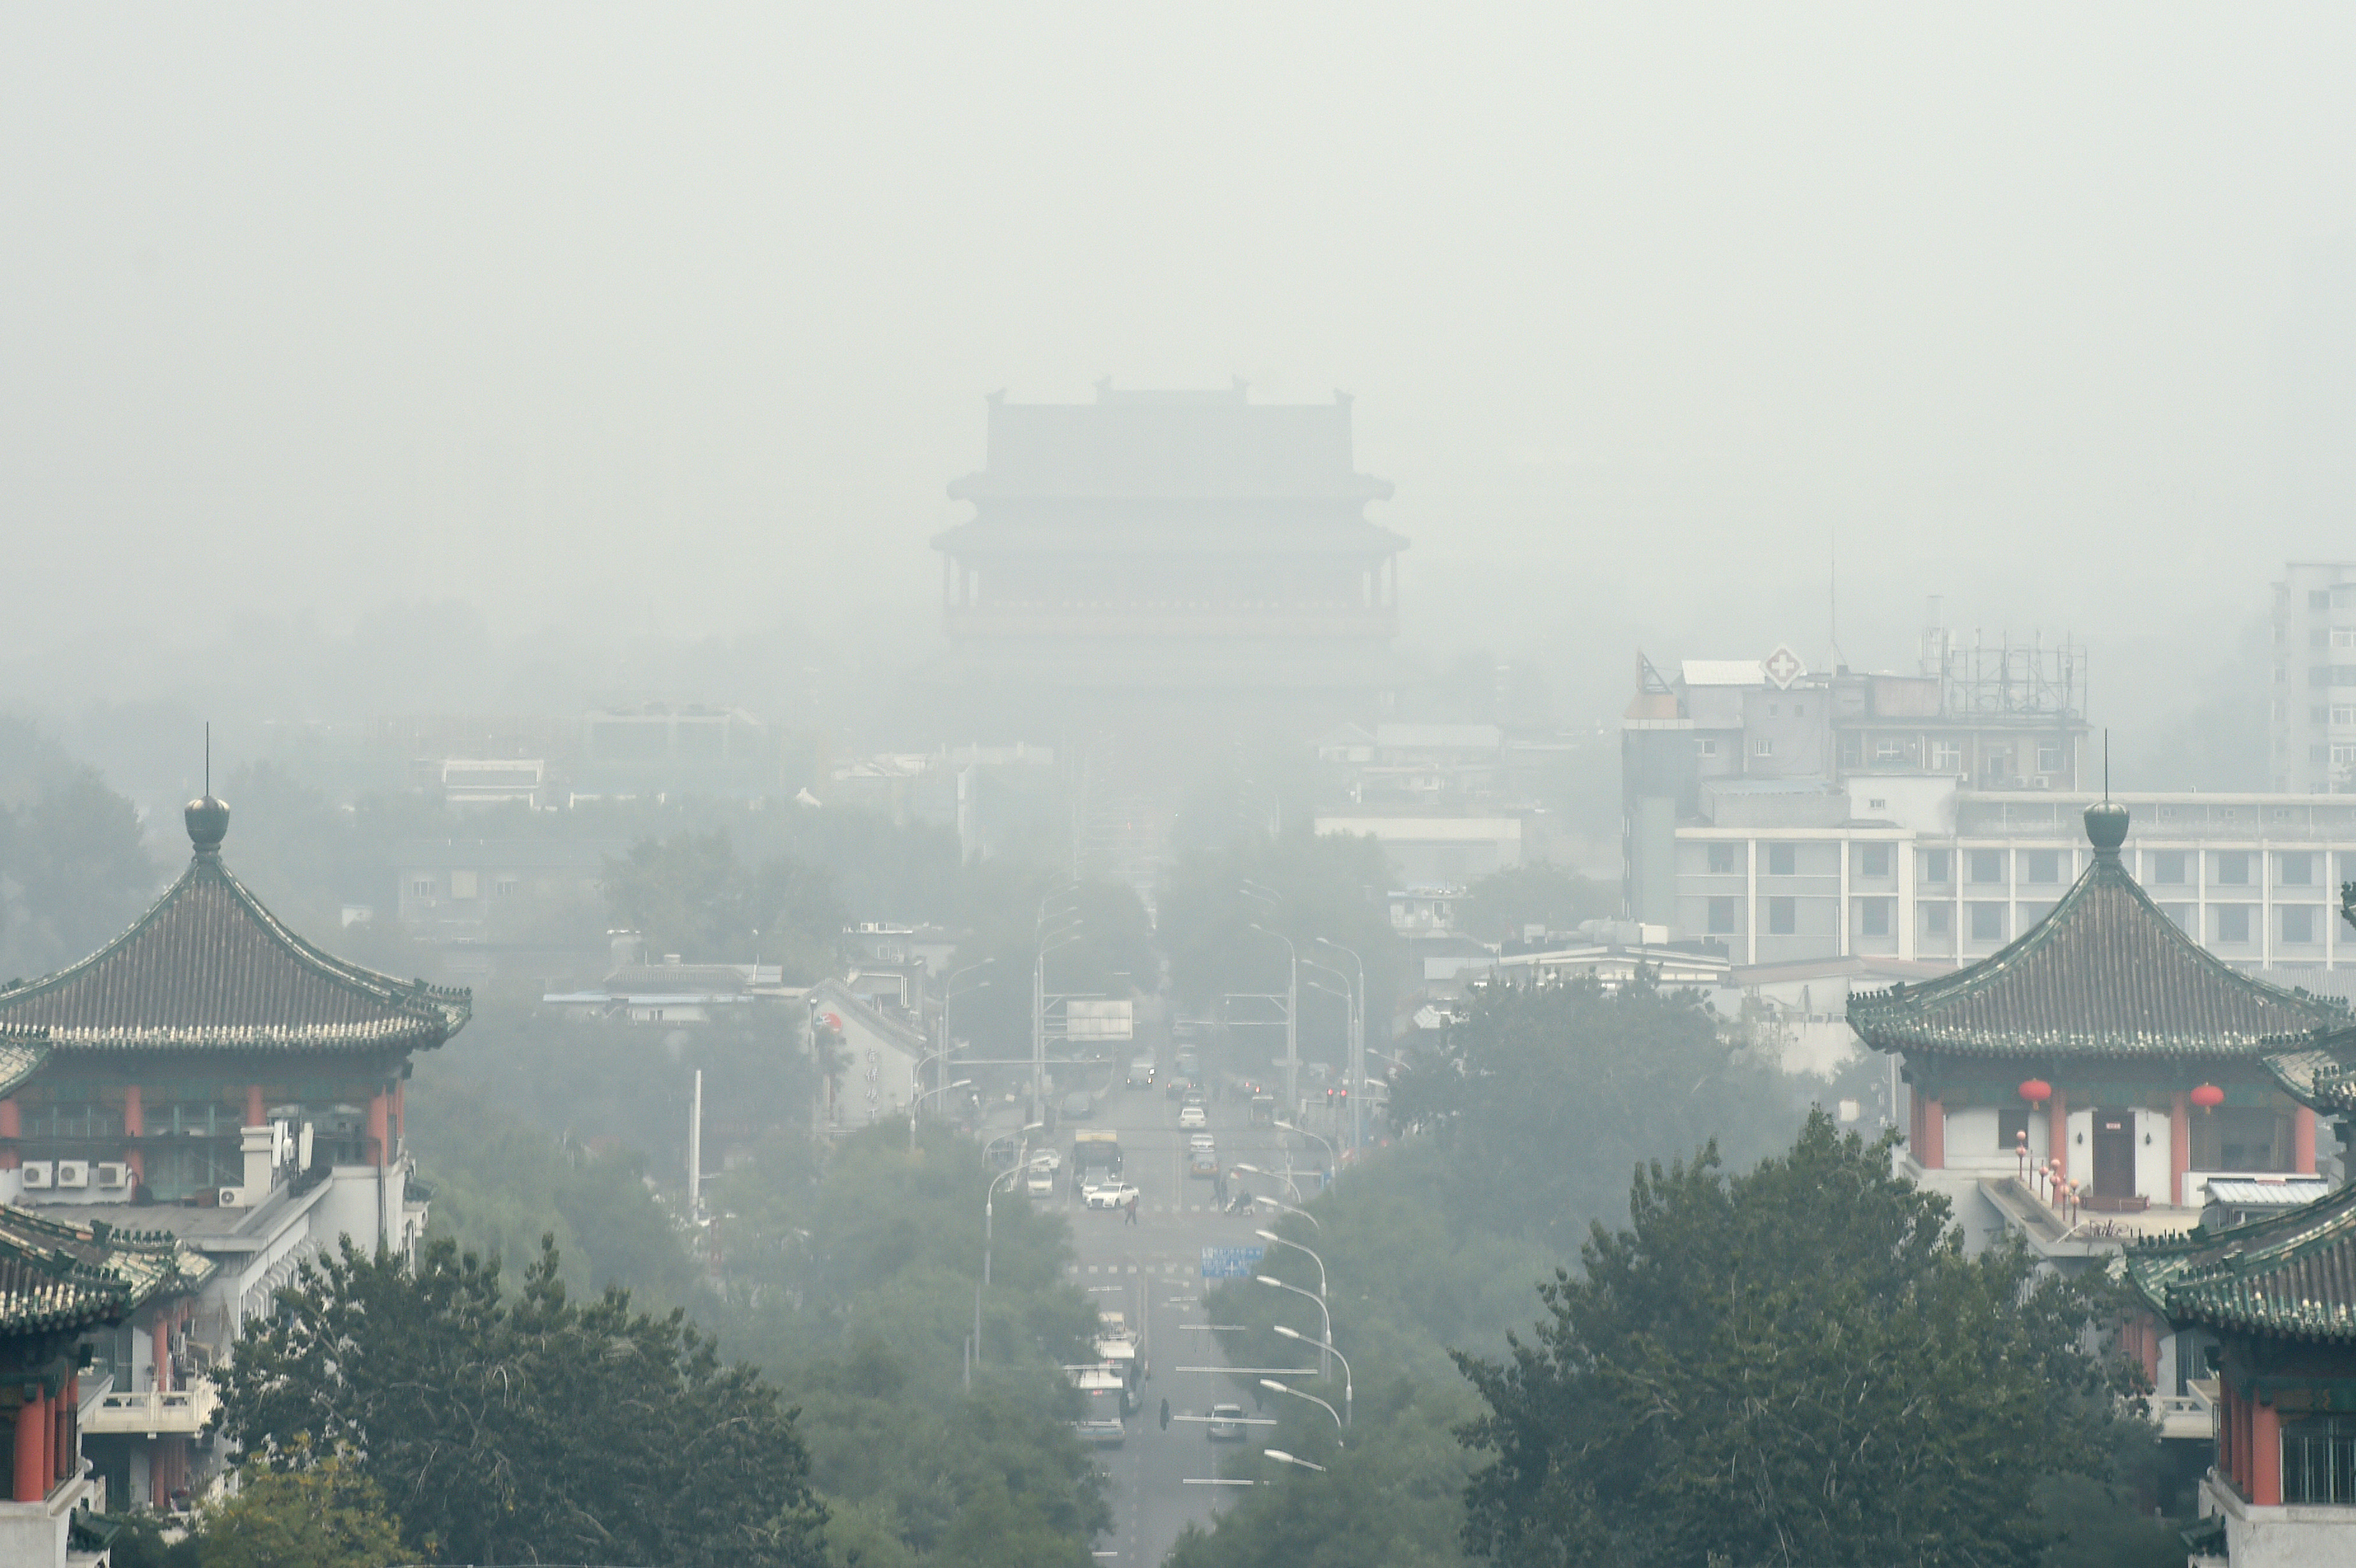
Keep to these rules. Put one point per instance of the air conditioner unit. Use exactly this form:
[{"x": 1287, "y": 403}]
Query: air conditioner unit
[
  {"x": 73, "y": 1173},
  {"x": 233, "y": 1196},
  {"x": 111, "y": 1173},
  {"x": 40, "y": 1175}
]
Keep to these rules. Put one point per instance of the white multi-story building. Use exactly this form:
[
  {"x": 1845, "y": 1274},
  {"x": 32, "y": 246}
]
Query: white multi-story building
[
  {"x": 1921, "y": 868},
  {"x": 2313, "y": 711}
]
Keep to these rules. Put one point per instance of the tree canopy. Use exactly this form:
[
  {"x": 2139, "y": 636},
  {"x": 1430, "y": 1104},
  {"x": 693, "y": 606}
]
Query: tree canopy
[
  {"x": 1798, "y": 1365},
  {"x": 1544, "y": 1097},
  {"x": 689, "y": 894},
  {"x": 524, "y": 1427}
]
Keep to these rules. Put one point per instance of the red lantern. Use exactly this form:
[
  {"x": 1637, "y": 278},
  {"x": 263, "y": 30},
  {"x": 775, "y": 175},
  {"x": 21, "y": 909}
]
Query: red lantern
[
  {"x": 2208, "y": 1096},
  {"x": 2036, "y": 1091}
]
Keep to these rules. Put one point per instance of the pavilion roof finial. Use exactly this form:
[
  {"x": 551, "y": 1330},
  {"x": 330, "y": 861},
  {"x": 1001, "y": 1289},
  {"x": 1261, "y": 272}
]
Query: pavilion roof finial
[
  {"x": 2106, "y": 823},
  {"x": 207, "y": 818}
]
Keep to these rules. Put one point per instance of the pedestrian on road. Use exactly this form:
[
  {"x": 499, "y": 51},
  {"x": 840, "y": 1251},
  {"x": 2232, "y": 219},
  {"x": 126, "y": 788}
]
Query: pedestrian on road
[{"x": 1132, "y": 1208}]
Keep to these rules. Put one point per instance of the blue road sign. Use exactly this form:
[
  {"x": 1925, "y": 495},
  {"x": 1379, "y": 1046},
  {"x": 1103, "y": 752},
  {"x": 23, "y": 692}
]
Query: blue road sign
[{"x": 1230, "y": 1263}]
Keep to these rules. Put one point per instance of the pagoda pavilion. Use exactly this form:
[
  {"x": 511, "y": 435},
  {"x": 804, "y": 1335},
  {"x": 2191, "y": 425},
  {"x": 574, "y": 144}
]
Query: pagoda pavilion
[
  {"x": 211, "y": 1075},
  {"x": 2102, "y": 1061},
  {"x": 2269, "y": 1309},
  {"x": 61, "y": 1284}
]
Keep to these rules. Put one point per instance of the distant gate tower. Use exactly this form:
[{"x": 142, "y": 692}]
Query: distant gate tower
[{"x": 1185, "y": 546}]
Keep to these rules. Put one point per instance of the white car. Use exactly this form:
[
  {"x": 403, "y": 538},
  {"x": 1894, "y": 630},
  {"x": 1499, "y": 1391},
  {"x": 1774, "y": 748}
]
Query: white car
[
  {"x": 1227, "y": 1423},
  {"x": 1111, "y": 1194},
  {"x": 1193, "y": 1116}
]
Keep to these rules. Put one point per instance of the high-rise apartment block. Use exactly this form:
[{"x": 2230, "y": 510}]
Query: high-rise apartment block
[{"x": 2314, "y": 709}]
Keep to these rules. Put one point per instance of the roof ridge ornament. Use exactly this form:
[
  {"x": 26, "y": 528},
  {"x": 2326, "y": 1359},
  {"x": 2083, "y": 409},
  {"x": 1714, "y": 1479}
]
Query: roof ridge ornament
[
  {"x": 206, "y": 817},
  {"x": 2106, "y": 823}
]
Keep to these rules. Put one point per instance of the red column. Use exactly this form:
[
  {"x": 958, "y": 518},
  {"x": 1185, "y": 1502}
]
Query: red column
[
  {"x": 380, "y": 1108},
  {"x": 32, "y": 1450},
  {"x": 11, "y": 1126},
  {"x": 2179, "y": 1147},
  {"x": 1933, "y": 1152},
  {"x": 163, "y": 1355},
  {"x": 255, "y": 1112},
  {"x": 2265, "y": 1456},
  {"x": 2057, "y": 1133},
  {"x": 2302, "y": 1141},
  {"x": 400, "y": 1112},
  {"x": 134, "y": 1125},
  {"x": 69, "y": 1421}
]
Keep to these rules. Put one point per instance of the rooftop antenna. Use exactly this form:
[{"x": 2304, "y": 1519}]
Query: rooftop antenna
[
  {"x": 208, "y": 759},
  {"x": 2107, "y": 764}
]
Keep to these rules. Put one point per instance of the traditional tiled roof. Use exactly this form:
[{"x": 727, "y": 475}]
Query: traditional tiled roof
[
  {"x": 23, "y": 1049},
  {"x": 2106, "y": 974},
  {"x": 55, "y": 1275},
  {"x": 2321, "y": 1076},
  {"x": 209, "y": 969},
  {"x": 2292, "y": 1273}
]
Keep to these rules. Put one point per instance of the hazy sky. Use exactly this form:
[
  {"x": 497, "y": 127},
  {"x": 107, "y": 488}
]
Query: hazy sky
[{"x": 680, "y": 317}]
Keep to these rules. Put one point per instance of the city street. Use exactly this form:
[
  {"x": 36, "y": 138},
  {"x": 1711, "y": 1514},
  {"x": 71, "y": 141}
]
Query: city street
[{"x": 1152, "y": 1270}]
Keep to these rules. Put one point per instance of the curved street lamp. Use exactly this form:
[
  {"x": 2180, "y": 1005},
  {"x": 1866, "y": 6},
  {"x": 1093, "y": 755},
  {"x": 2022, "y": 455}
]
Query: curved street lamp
[
  {"x": 1347, "y": 1398},
  {"x": 1282, "y": 1388},
  {"x": 1281, "y": 1457},
  {"x": 1305, "y": 1296},
  {"x": 1296, "y": 1246}
]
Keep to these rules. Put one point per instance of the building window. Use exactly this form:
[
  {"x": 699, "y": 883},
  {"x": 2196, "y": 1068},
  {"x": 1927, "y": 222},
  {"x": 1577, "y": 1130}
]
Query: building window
[
  {"x": 2319, "y": 1459},
  {"x": 1873, "y": 859},
  {"x": 1937, "y": 919},
  {"x": 2314, "y": 715},
  {"x": 2042, "y": 865},
  {"x": 2049, "y": 759},
  {"x": 1988, "y": 923},
  {"x": 1938, "y": 865},
  {"x": 2182, "y": 915},
  {"x": 2012, "y": 1126},
  {"x": 2232, "y": 922},
  {"x": 2242, "y": 1137},
  {"x": 2318, "y": 597},
  {"x": 1783, "y": 860},
  {"x": 1873, "y": 916},
  {"x": 422, "y": 888},
  {"x": 1948, "y": 757},
  {"x": 1783, "y": 916},
  {"x": 2315, "y": 639},
  {"x": 2342, "y": 756},
  {"x": 1762, "y": 747},
  {"x": 1721, "y": 917},
  {"x": 2167, "y": 866},
  {"x": 1706, "y": 747},
  {"x": 2344, "y": 636},
  {"x": 1721, "y": 861},
  {"x": 1889, "y": 749},
  {"x": 2299, "y": 922},
  {"x": 2234, "y": 868},
  {"x": 2297, "y": 869},
  {"x": 2343, "y": 716},
  {"x": 1988, "y": 865}
]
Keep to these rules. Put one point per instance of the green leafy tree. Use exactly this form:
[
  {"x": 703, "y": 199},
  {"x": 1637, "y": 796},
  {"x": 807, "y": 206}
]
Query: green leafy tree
[
  {"x": 689, "y": 894},
  {"x": 855, "y": 1287},
  {"x": 73, "y": 872},
  {"x": 1499, "y": 906},
  {"x": 323, "y": 1515},
  {"x": 1796, "y": 1365},
  {"x": 1544, "y": 1097},
  {"x": 530, "y": 1428}
]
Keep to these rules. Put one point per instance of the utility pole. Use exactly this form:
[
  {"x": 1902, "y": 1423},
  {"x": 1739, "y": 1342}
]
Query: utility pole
[{"x": 695, "y": 1151}]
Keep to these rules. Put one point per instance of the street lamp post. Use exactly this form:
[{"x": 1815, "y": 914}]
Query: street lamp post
[
  {"x": 1281, "y": 1388},
  {"x": 990, "y": 1231},
  {"x": 1277, "y": 1175},
  {"x": 949, "y": 995},
  {"x": 1292, "y": 1015},
  {"x": 1323, "y": 1369},
  {"x": 1347, "y": 1398},
  {"x": 915, "y": 1106},
  {"x": 1332, "y": 1160},
  {"x": 1357, "y": 1048},
  {"x": 1281, "y": 1457},
  {"x": 1296, "y": 1246}
]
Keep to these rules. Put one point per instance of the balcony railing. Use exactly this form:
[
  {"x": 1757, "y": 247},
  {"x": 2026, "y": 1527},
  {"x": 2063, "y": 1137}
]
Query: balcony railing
[{"x": 179, "y": 1409}]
